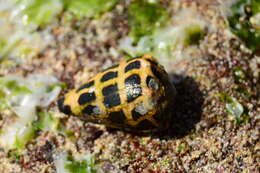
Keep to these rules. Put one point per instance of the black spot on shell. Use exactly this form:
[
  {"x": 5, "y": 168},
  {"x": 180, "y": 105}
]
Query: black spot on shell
[
  {"x": 89, "y": 110},
  {"x": 67, "y": 109},
  {"x": 109, "y": 75},
  {"x": 117, "y": 117},
  {"x": 133, "y": 88},
  {"x": 64, "y": 108},
  {"x": 87, "y": 85},
  {"x": 86, "y": 98},
  {"x": 133, "y": 65},
  {"x": 133, "y": 79},
  {"x": 112, "y": 100},
  {"x": 110, "y": 90}
]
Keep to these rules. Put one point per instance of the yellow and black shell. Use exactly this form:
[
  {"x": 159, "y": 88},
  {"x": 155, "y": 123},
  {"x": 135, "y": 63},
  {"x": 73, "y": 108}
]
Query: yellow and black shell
[{"x": 135, "y": 95}]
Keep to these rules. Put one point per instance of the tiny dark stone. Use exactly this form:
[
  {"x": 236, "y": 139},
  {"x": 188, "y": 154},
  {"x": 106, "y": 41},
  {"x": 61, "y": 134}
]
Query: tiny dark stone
[
  {"x": 117, "y": 117},
  {"x": 44, "y": 153},
  {"x": 133, "y": 65},
  {"x": 110, "y": 90},
  {"x": 86, "y": 98},
  {"x": 87, "y": 85},
  {"x": 109, "y": 75}
]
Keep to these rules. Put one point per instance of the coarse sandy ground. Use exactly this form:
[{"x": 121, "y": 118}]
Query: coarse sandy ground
[{"x": 203, "y": 136}]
